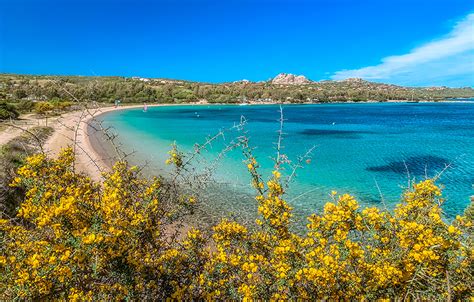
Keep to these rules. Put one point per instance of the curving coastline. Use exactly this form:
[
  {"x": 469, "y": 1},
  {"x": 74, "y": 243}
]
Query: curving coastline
[
  {"x": 72, "y": 129},
  {"x": 75, "y": 126}
]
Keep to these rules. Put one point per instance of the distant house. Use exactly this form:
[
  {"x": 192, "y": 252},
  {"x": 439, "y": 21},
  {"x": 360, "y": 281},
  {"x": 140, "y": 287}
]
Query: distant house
[{"x": 141, "y": 79}]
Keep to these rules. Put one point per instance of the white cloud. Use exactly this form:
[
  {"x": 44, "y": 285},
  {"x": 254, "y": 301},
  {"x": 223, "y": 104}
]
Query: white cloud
[{"x": 446, "y": 61}]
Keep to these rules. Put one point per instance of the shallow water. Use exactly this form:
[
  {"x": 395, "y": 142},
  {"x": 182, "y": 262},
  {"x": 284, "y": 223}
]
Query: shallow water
[{"x": 367, "y": 150}]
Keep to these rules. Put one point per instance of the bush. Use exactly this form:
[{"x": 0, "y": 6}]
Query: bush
[
  {"x": 60, "y": 105},
  {"x": 43, "y": 107},
  {"x": 12, "y": 156},
  {"x": 25, "y": 106},
  {"x": 81, "y": 240},
  {"x": 8, "y": 111}
]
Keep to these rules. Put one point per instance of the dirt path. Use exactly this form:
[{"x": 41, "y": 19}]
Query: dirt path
[{"x": 26, "y": 122}]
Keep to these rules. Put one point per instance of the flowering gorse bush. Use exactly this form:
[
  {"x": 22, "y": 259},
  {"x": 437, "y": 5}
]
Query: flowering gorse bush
[
  {"x": 81, "y": 240},
  {"x": 74, "y": 238}
]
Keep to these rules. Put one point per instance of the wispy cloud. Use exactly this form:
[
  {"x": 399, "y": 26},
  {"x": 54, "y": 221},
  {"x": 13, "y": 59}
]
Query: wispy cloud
[{"x": 445, "y": 61}]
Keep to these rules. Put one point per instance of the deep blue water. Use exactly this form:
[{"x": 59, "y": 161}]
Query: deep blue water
[{"x": 367, "y": 150}]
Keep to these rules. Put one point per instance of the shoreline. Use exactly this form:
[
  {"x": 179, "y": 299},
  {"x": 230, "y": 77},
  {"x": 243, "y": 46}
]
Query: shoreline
[
  {"x": 235, "y": 106},
  {"x": 93, "y": 153},
  {"x": 73, "y": 129},
  {"x": 93, "y": 159}
]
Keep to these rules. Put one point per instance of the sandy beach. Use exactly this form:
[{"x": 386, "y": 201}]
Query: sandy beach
[{"x": 72, "y": 129}]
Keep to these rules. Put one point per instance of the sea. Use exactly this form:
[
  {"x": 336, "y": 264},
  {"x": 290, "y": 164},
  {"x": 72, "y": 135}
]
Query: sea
[{"x": 373, "y": 151}]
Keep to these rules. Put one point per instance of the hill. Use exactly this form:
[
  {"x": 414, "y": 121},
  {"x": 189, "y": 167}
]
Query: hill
[{"x": 285, "y": 88}]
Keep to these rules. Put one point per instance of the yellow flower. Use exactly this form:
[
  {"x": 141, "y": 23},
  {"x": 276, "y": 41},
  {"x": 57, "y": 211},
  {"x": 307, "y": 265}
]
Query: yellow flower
[
  {"x": 452, "y": 229},
  {"x": 89, "y": 238}
]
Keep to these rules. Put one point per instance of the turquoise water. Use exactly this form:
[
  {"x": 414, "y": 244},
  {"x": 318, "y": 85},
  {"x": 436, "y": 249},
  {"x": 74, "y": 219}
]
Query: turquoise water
[{"x": 367, "y": 150}]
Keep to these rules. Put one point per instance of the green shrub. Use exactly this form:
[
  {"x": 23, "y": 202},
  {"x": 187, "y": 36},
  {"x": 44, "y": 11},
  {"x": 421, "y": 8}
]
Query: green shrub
[
  {"x": 59, "y": 104},
  {"x": 43, "y": 107},
  {"x": 25, "y": 106},
  {"x": 8, "y": 111}
]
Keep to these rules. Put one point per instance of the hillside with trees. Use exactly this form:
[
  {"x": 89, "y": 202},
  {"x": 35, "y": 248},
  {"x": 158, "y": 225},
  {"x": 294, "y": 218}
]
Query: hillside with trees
[{"x": 24, "y": 88}]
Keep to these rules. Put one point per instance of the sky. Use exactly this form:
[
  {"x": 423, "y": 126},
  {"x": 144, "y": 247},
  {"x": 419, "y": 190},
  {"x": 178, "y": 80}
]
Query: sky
[{"x": 405, "y": 42}]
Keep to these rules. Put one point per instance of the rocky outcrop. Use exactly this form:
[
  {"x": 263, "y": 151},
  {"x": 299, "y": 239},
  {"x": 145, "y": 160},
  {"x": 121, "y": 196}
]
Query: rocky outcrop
[{"x": 290, "y": 79}]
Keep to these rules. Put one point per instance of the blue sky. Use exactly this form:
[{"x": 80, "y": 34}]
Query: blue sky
[{"x": 408, "y": 42}]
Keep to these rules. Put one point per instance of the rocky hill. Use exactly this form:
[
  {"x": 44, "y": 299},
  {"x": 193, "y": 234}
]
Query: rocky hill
[{"x": 290, "y": 79}]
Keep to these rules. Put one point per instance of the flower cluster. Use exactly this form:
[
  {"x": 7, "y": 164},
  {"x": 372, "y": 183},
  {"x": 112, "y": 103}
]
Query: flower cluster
[
  {"x": 175, "y": 157},
  {"x": 76, "y": 239}
]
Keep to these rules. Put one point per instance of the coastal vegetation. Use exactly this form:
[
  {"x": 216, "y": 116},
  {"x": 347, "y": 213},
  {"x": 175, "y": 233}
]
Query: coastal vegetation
[
  {"x": 7, "y": 111},
  {"x": 12, "y": 156},
  {"x": 54, "y": 106},
  {"x": 16, "y": 89},
  {"x": 73, "y": 238}
]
